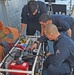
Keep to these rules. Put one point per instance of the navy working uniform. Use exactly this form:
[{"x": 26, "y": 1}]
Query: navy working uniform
[
  {"x": 63, "y": 47},
  {"x": 62, "y": 60},
  {"x": 63, "y": 22},
  {"x": 32, "y": 20}
]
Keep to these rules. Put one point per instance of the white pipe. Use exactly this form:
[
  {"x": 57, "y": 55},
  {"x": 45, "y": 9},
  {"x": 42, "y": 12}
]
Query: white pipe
[
  {"x": 8, "y": 54},
  {"x": 11, "y": 51},
  {"x": 28, "y": 36},
  {"x": 33, "y": 68},
  {"x": 19, "y": 71}
]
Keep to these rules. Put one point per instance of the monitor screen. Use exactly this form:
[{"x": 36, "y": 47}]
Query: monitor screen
[{"x": 49, "y": 0}]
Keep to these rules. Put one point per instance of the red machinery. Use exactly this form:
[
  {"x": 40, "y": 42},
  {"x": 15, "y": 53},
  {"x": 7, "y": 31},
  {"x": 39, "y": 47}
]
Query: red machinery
[{"x": 23, "y": 66}]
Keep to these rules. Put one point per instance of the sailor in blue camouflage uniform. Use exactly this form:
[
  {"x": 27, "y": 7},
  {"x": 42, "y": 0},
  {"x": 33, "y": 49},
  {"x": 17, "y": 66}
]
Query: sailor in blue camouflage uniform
[
  {"x": 30, "y": 16},
  {"x": 64, "y": 23},
  {"x": 61, "y": 62}
]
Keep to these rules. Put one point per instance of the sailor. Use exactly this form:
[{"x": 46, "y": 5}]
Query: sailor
[
  {"x": 62, "y": 60},
  {"x": 30, "y": 16},
  {"x": 64, "y": 23}
]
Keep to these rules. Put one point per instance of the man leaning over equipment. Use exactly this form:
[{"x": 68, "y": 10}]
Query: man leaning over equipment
[
  {"x": 61, "y": 62},
  {"x": 30, "y": 16},
  {"x": 64, "y": 23}
]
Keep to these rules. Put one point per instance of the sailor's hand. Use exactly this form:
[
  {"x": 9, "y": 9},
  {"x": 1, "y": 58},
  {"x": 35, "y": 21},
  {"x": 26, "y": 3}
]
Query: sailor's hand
[
  {"x": 20, "y": 33},
  {"x": 34, "y": 46},
  {"x": 47, "y": 54}
]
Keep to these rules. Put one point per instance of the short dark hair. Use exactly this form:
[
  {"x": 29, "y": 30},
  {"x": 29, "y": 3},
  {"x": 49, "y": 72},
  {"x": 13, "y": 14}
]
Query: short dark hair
[
  {"x": 44, "y": 17},
  {"x": 32, "y": 5}
]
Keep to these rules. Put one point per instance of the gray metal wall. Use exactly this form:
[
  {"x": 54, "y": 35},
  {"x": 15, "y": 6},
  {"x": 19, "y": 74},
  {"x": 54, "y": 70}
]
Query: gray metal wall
[{"x": 10, "y": 12}]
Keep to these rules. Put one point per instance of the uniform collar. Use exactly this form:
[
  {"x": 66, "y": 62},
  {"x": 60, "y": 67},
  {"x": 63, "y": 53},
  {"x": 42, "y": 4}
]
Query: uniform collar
[
  {"x": 32, "y": 14},
  {"x": 59, "y": 37}
]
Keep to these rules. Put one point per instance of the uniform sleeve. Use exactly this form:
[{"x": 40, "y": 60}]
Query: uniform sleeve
[
  {"x": 24, "y": 17},
  {"x": 42, "y": 39},
  {"x": 60, "y": 56},
  {"x": 43, "y": 7},
  {"x": 64, "y": 24}
]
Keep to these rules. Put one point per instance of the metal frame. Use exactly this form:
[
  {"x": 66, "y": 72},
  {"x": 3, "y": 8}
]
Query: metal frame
[{"x": 20, "y": 71}]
